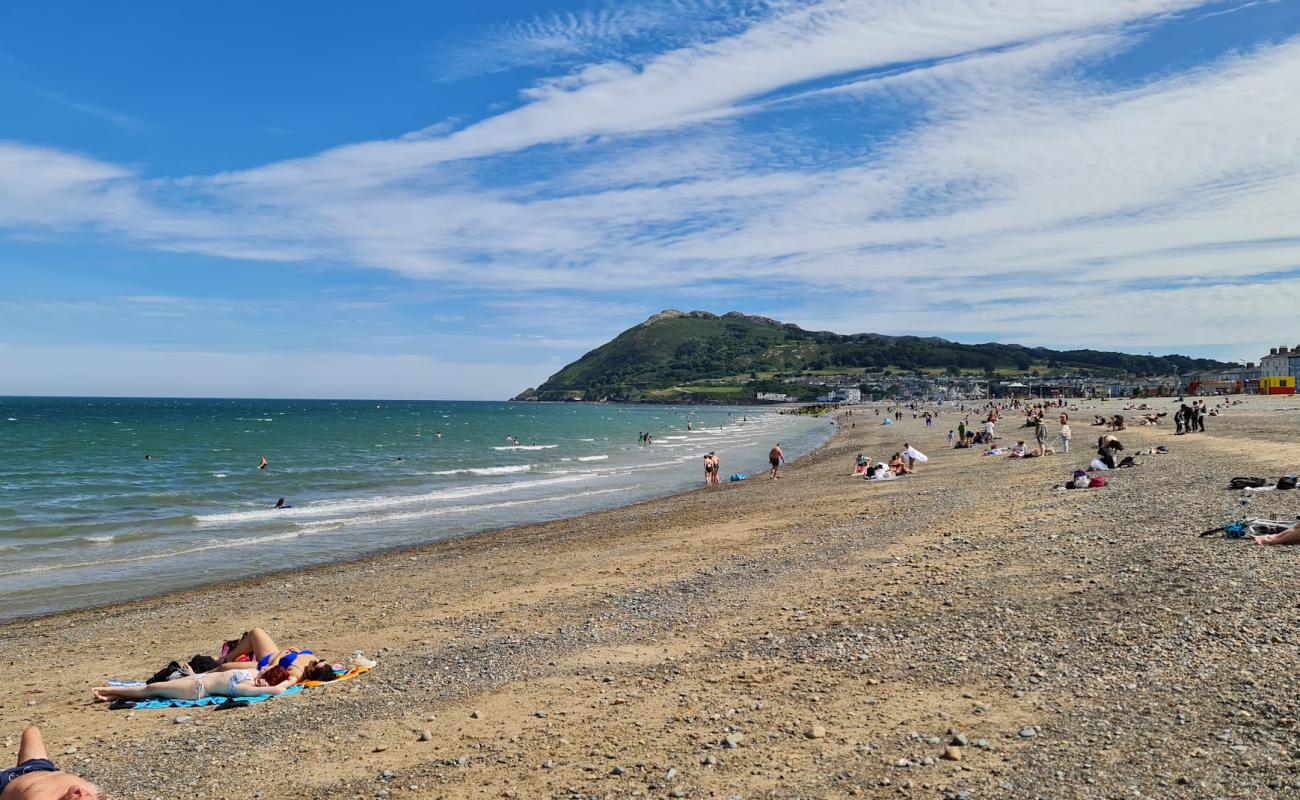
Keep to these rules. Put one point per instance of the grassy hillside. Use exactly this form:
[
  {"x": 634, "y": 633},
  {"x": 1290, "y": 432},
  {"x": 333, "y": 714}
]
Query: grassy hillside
[{"x": 676, "y": 356}]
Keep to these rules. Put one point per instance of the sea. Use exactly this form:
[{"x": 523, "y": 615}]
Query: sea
[{"x": 111, "y": 499}]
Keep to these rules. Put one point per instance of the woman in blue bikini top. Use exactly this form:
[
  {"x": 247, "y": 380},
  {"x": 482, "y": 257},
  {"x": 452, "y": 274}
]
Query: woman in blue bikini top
[{"x": 274, "y": 665}]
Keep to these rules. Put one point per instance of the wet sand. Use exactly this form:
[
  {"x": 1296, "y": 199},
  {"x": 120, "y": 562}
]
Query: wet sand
[{"x": 814, "y": 636}]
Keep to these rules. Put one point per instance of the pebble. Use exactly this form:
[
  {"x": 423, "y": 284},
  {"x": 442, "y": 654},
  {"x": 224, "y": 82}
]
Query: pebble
[
  {"x": 815, "y": 732},
  {"x": 951, "y": 753},
  {"x": 732, "y": 740},
  {"x": 426, "y": 736},
  {"x": 1028, "y": 733}
]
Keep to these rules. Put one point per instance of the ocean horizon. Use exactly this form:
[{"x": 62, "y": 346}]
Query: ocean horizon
[{"x": 109, "y": 499}]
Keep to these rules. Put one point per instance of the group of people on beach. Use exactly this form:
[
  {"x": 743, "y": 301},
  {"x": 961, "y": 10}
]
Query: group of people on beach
[{"x": 251, "y": 666}]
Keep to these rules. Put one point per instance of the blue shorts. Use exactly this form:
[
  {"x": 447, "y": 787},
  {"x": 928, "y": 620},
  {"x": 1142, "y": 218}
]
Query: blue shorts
[{"x": 31, "y": 765}]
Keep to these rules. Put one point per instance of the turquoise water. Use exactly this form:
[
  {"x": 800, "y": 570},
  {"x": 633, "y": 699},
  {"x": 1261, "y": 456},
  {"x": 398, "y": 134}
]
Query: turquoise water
[{"x": 87, "y": 519}]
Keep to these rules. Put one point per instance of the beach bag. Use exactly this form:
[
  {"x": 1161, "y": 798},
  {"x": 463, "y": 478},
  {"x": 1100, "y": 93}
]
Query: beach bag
[
  {"x": 1081, "y": 482},
  {"x": 1243, "y": 483},
  {"x": 1096, "y": 482},
  {"x": 1286, "y": 482},
  {"x": 739, "y": 476}
]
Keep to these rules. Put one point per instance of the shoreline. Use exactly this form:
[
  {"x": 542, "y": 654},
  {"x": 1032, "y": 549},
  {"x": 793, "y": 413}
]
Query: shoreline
[
  {"x": 658, "y": 494},
  {"x": 359, "y": 560},
  {"x": 834, "y": 631}
]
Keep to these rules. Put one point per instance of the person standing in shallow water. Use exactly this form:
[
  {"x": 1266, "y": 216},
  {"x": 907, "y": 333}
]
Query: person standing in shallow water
[{"x": 776, "y": 458}]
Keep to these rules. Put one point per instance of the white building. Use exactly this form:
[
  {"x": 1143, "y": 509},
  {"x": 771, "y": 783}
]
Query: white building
[{"x": 1281, "y": 362}]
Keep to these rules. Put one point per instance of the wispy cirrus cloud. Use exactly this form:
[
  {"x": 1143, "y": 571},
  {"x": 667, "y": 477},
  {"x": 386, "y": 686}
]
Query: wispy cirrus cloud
[{"x": 600, "y": 31}]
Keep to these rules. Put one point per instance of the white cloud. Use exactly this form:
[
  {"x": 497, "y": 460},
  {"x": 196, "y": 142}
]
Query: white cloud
[{"x": 1016, "y": 178}]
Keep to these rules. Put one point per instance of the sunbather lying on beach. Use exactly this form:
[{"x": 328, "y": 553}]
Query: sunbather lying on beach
[
  {"x": 36, "y": 777},
  {"x": 1289, "y": 536},
  {"x": 257, "y": 643},
  {"x": 230, "y": 683}
]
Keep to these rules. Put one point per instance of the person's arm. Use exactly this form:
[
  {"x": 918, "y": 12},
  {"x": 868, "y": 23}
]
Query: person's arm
[
  {"x": 32, "y": 745},
  {"x": 250, "y": 689}
]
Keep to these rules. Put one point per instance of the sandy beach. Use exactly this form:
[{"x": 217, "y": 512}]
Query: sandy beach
[{"x": 965, "y": 632}]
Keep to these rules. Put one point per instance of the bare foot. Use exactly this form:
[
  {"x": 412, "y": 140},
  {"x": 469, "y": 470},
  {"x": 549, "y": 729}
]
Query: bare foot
[{"x": 101, "y": 694}]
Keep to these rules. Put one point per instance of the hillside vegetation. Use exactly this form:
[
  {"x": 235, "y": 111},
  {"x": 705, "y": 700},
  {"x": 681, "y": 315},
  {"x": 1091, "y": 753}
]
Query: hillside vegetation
[{"x": 700, "y": 356}]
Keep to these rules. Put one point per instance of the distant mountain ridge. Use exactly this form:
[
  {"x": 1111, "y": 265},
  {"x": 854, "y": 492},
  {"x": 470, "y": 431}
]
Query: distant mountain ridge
[{"x": 677, "y": 355}]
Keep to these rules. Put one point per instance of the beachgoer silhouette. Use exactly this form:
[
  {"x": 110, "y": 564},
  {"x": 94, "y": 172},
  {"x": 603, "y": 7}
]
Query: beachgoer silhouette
[{"x": 262, "y": 466}]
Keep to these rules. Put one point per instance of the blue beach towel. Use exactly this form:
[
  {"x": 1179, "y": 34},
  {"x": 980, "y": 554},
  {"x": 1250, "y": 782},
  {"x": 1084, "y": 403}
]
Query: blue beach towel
[
  {"x": 739, "y": 476},
  {"x": 213, "y": 700}
]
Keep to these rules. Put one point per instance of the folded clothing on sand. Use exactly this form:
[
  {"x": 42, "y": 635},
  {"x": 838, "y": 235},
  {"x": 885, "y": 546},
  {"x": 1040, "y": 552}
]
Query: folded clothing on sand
[{"x": 212, "y": 700}]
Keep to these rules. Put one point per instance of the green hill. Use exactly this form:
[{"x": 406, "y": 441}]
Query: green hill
[{"x": 698, "y": 356}]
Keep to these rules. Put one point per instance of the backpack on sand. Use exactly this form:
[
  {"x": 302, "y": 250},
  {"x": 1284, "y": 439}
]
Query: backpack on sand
[
  {"x": 1096, "y": 482},
  {"x": 1286, "y": 482}
]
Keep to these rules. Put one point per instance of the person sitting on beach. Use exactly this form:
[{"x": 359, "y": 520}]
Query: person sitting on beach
[
  {"x": 36, "y": 778},
  {"x": 1117, "y": 422},
  {"x": 863, "y": 464},
  {"x": 1098, "y": 419},
  {"x": 1108, "y": 450},
  {"x": 1289, "y": 536},
  {"x": 1018, "y": 450},
  {"x": 897, "y": 466}
]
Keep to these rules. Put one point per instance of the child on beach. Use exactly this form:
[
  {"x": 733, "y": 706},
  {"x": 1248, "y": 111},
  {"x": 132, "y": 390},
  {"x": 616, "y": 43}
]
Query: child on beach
[{"x": 36, "y": 777}]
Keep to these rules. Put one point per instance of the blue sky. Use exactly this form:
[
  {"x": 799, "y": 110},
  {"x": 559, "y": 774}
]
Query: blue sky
[{"x": 453, "y": 200}]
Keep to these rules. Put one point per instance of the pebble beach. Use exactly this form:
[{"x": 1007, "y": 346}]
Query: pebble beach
[{"x": 966, "y": 632}]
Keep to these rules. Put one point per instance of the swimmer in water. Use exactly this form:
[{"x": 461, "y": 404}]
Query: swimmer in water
[
  {"x": 262, "y": 466},
  {"x": 148, "y": 457},
  {"x": 281, "y": 504}
]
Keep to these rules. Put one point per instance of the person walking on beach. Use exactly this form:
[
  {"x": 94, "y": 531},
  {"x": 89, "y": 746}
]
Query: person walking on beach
[
  {"x": 36, "y": 778},
  {"x": 775, "y": 458}
]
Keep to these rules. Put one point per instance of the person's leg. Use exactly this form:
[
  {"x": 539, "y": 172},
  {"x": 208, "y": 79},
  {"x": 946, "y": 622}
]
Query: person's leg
[
  {"x": 189, "y": 688},
  {"x": 256, "y": 643}
]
